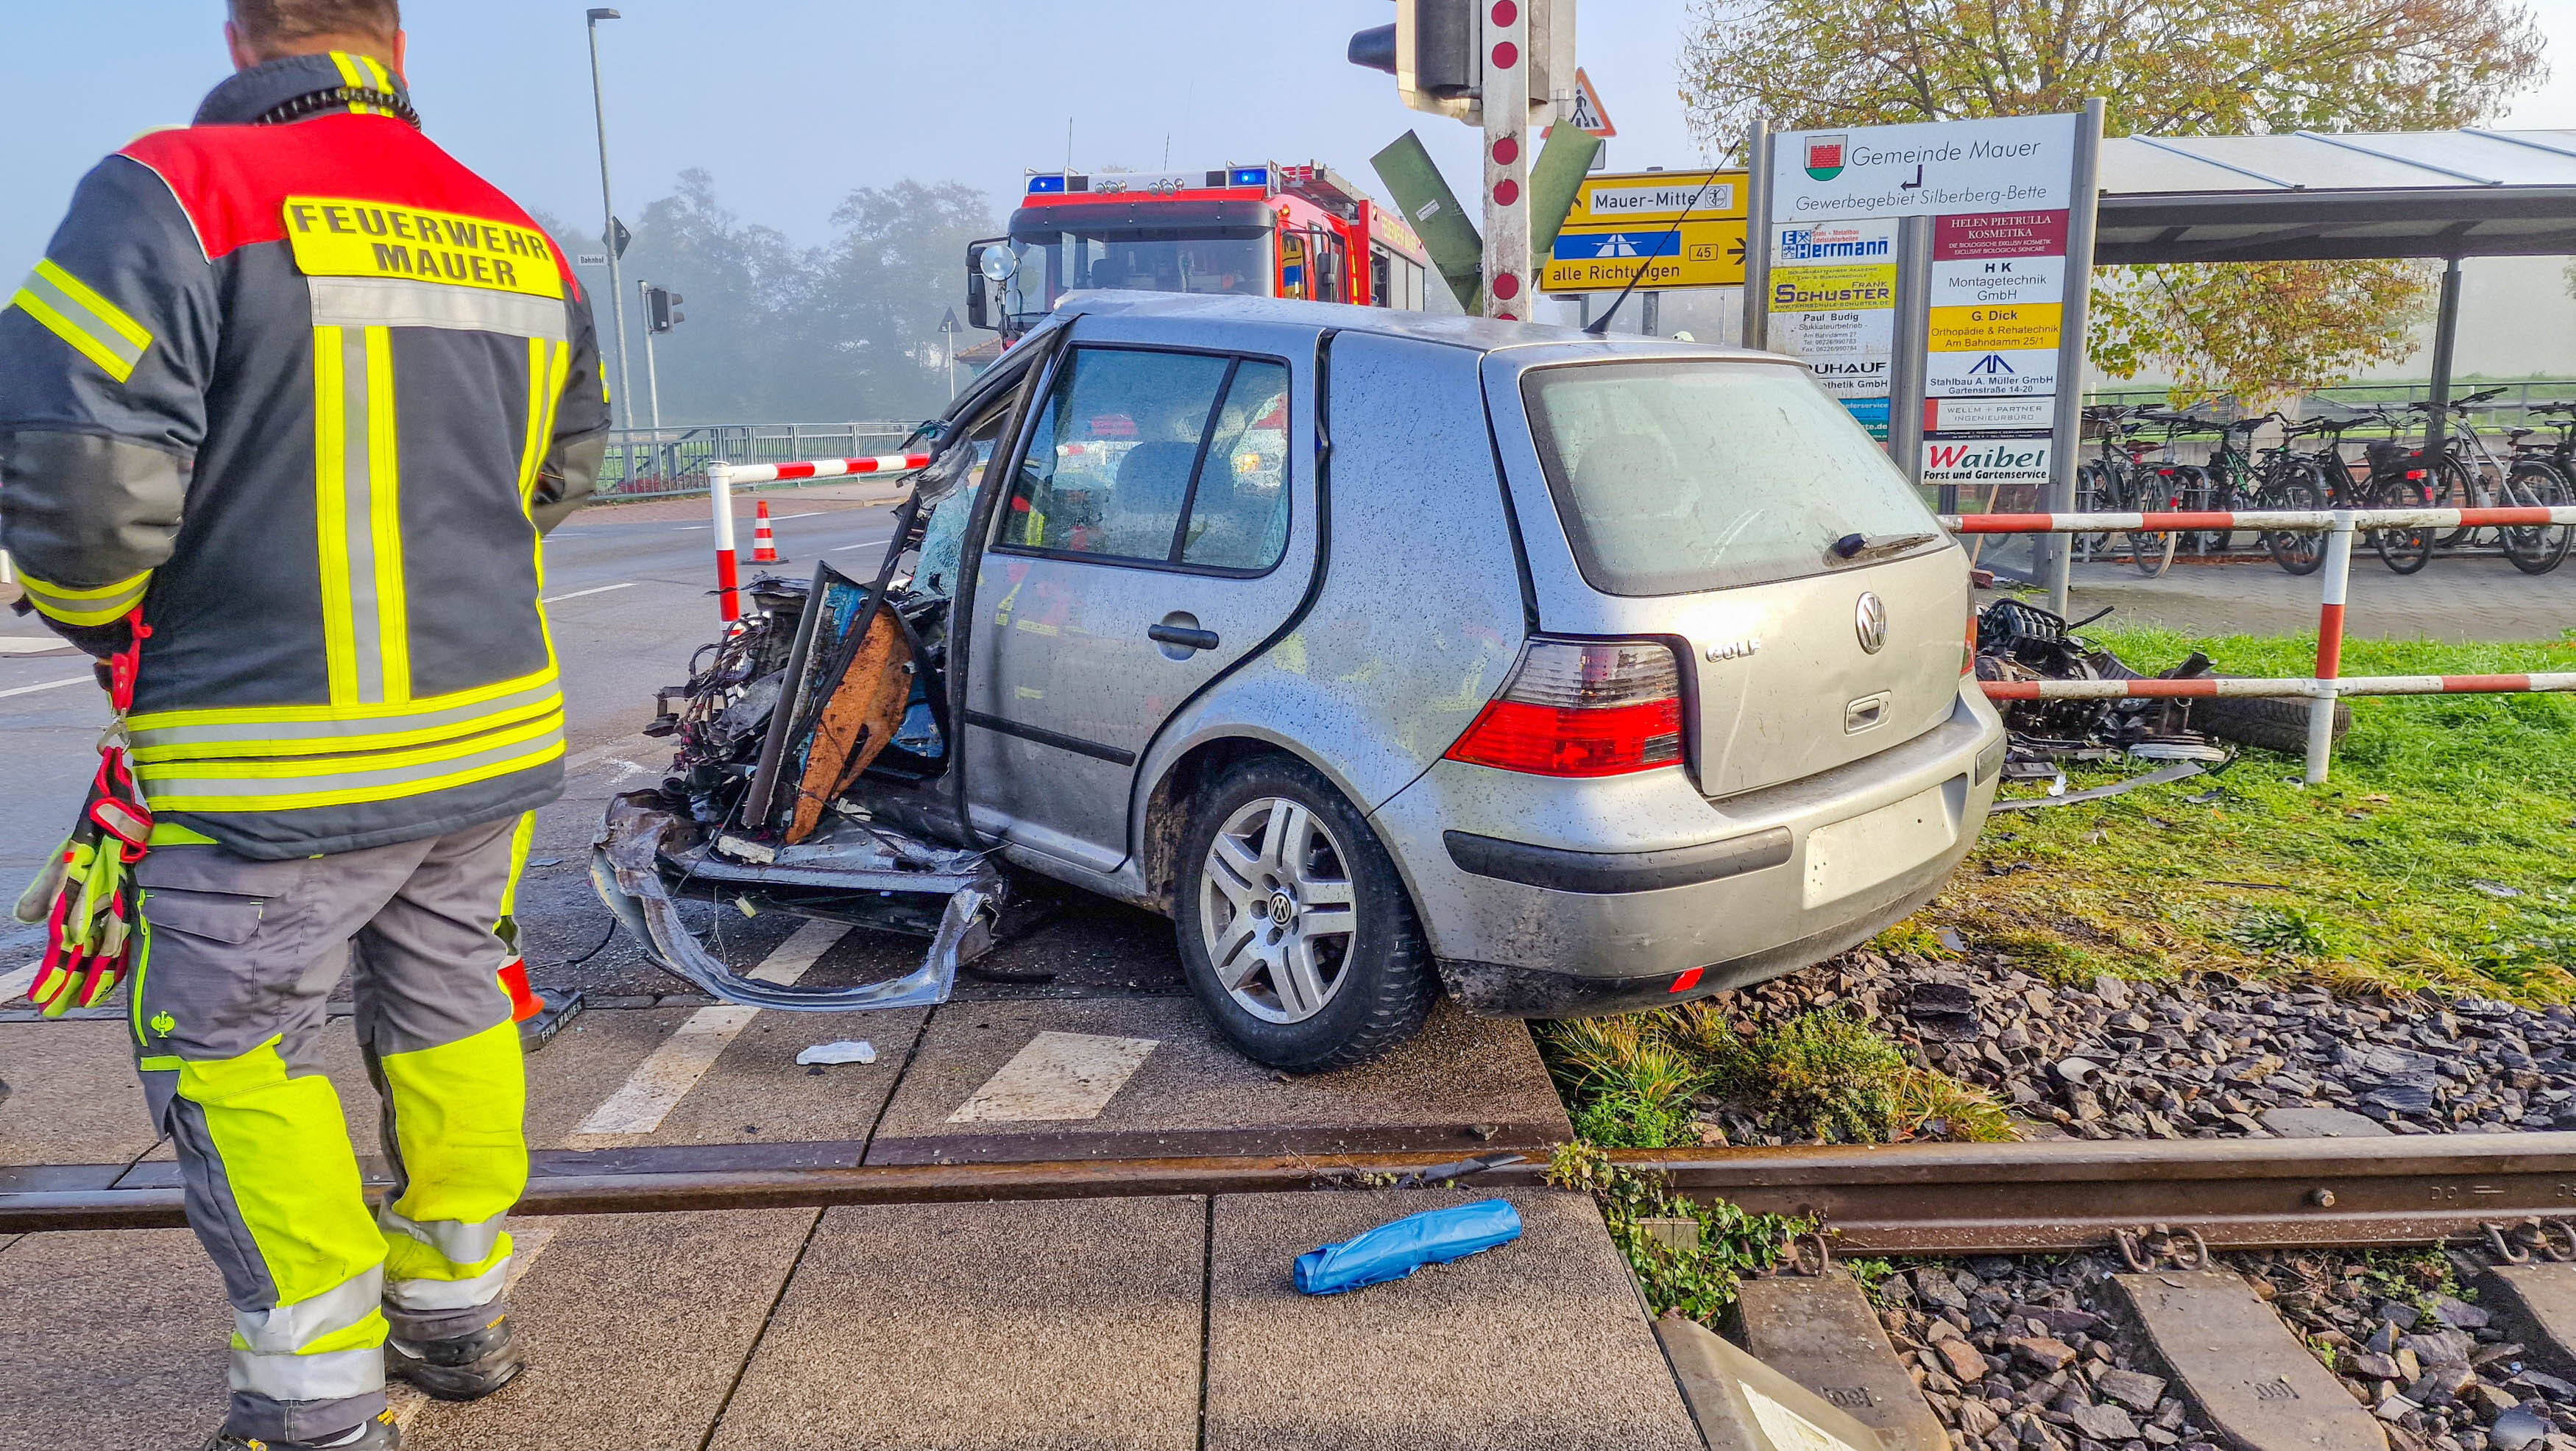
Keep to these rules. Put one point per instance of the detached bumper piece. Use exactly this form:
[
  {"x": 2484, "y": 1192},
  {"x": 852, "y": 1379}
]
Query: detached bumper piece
[{"x": 847, "y": 871}]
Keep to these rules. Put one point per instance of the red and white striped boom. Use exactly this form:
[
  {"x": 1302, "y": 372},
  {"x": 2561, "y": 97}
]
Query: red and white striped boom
[{"x": 822, "y": 468}]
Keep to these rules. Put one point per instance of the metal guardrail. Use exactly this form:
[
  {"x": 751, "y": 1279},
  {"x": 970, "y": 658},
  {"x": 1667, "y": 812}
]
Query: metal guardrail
[
  {"x": 2340, "y": 526},
  {"x": 672, "y": 462}
]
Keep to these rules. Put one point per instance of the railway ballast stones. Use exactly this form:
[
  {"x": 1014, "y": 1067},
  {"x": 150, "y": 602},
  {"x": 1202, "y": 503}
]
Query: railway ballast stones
[{"x": 2204, "y": 1055}]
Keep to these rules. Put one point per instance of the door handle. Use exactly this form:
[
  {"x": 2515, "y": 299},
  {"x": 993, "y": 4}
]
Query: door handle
[{"x": 1182, "y": 636}]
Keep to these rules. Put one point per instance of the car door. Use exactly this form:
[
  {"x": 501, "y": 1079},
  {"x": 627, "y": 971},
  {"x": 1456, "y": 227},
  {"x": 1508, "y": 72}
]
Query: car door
[{"x": 1145, "y": 545}]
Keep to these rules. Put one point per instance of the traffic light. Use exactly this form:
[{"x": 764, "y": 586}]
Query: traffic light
[
  {"x": 1436, "y": 52},
  {"x": 662, "y": 308}
]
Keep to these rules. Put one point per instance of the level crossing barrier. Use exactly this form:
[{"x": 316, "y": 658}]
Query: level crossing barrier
[
  {"x": 722, "y": 476},
  {"x": 2329, "y": 683}
]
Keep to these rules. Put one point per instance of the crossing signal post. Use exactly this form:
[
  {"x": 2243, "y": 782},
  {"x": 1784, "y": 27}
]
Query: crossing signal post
[
  {"x": 661, "y": 314},
  {"x": 1505, "y": 65}
]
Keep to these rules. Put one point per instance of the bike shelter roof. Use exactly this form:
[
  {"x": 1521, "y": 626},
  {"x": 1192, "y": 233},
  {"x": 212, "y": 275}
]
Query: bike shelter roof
[{"x": 2307, "y": 195}]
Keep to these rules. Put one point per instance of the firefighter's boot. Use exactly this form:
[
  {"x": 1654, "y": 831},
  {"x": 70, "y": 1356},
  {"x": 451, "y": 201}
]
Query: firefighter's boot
[
  {"x": 464, "y": 1367},
  {"x": 377, "y": 1433}
]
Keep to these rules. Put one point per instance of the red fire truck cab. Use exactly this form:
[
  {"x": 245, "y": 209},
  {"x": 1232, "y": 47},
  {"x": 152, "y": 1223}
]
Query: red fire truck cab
[{"x": 1260, "y": 231}]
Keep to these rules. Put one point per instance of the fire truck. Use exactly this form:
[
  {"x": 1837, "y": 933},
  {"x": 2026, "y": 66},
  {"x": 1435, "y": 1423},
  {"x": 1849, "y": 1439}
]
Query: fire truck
[{"x": 1259, "y": 231}]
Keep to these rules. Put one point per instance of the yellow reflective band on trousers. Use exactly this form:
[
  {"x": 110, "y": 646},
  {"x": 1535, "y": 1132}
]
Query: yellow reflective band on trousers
[
  {"x": 357, "y": 498},
  {"x": 284, "y": 1146},
  {"x": 458, "y": 1111},
  {"x": 104, "y": 605},
  {"x": 280, "y": 731}
]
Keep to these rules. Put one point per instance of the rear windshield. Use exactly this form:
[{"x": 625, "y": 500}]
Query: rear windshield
[{"x": 1673, "y": 477}]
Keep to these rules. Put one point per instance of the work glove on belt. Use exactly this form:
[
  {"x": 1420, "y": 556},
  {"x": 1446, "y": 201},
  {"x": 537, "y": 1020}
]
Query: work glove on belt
[{"x": 86, "y": 895}]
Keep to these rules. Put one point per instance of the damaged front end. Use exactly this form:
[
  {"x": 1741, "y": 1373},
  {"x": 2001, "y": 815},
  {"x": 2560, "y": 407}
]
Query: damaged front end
[{"x": 813, "y": 742}]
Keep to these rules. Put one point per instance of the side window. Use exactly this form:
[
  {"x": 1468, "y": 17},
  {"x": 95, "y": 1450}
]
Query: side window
[
  {"x": 1239, "y": 514},
  {"x": 1108, "y": 467},
  {"x": 1167, "y": 458}
]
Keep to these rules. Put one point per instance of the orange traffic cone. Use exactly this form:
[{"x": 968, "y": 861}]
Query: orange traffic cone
[{"x": 764, "y": 545}]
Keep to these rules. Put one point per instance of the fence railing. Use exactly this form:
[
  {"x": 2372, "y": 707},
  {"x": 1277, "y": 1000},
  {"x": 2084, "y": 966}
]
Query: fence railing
[
  {"x": 2329, "y": 683},
  {"x": 2516, "y": 402},
  {"x": 663, "y": 462}
]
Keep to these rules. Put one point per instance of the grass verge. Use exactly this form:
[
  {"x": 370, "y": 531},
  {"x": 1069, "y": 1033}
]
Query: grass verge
[
  {"x": 1631, "y": 1080},
  {"x": 1696, "y": 1279},
  {"x": 2441, "y": 852}
]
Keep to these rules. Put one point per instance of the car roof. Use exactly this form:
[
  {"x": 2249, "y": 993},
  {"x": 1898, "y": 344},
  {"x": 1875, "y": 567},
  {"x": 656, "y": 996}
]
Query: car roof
[{"x": 1481, "y": 334}]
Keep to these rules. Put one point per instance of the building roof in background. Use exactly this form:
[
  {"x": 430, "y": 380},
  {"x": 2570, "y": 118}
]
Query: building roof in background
[{"x": 2309, "y": 194}]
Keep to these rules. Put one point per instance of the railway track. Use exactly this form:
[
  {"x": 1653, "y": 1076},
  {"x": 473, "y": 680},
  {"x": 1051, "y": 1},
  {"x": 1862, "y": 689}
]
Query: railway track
[{"x": 1911, "y": 1199}]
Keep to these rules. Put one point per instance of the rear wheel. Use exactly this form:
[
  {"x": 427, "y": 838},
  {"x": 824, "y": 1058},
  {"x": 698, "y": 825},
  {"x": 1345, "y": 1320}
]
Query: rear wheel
[
  {"x": 1295, "y": 930},
  {"x": 2535, "y": 548},
  {"x": 2404, "y": 551},
  {"x": 2293, "y": 550}
]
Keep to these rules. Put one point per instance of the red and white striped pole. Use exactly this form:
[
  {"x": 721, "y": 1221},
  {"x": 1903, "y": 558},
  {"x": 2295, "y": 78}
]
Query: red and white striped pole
[
  {"x": 1506, "y": 102},
  {"x": 728, "y": 582},
  {"x": 2321, "y": 710}
]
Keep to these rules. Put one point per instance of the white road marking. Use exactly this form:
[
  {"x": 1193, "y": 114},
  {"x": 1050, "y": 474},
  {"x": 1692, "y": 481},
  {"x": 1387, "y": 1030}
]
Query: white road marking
[
  {"x": 862, "y": 544},
  {"x": 668, "y": 1073},
  {"x": 612, "y": 751},
  {"x": 579, "y": 593},
  {"x": 48, "y": 685},
  {"x": 1057, "y": 1076},
  {"x": 26, "y": 645},
  {"x": 13, "y": 986}
]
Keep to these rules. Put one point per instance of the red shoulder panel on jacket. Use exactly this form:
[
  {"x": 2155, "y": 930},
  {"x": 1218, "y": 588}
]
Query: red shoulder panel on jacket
[{"x": 233, "y": 181}]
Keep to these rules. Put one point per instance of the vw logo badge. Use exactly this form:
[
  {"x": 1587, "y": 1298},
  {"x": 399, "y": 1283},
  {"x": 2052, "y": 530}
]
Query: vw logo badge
[{"x": 1869, "y": 618}]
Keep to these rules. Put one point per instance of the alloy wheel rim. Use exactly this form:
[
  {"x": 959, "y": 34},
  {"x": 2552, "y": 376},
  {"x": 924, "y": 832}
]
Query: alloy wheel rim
[{"x": 1275, "y": 910}]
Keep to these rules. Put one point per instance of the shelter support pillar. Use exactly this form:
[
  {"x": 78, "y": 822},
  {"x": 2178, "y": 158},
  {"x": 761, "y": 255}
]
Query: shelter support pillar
[{"x": 2446, "y": 337}]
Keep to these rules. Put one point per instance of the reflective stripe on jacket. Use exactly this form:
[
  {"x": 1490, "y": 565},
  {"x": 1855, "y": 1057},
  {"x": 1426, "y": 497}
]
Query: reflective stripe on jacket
[{"x": 310, "y": 392}]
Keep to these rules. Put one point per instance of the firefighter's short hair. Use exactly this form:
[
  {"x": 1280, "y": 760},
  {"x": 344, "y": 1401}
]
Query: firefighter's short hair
[{"x": 270, "y": 27}]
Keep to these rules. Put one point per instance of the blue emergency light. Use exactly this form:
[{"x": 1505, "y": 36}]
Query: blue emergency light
[
  {"x": 1250, "y": 176},
  {"x": 1045, "y": 185}
]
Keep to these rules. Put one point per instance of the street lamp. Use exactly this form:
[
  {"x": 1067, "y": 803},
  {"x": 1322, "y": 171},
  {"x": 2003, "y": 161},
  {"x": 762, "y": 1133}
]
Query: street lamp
[{"x": 608, "y": 206}]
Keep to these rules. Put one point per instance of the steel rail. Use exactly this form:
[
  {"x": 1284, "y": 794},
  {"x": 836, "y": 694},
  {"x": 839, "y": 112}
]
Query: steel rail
[{"x": 1931, "y": 1199}]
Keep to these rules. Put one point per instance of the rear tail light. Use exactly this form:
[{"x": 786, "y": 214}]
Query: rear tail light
[{"x": 1581, "y": 708}]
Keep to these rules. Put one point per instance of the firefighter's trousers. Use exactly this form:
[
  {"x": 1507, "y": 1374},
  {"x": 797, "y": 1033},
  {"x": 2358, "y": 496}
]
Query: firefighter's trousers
[{"x": 228, "y": 1009}]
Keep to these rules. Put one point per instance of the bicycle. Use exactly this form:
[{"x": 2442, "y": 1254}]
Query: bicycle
[
  {"x": 2118, "y": 483},
  {"x": 2549, "y": 542},
  {"x": 2478, "y": 478}
]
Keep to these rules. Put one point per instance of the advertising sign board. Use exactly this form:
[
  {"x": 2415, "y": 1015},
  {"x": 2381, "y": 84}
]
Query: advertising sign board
[
  {"x": 1998, "y": 294},
  {"x": 1832, "y": 296},
  {"x": 1986, "y": 462}
]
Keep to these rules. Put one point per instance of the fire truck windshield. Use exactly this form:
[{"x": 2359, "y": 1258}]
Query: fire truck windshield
[{"x": 1055, "y": 261}]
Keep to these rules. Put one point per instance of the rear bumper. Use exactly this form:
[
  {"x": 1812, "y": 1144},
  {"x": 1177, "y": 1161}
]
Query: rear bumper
[{"x": 1545, "y": 897}]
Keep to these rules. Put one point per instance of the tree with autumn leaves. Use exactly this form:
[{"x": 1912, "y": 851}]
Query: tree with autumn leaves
[{"x": 2164, "y": 68}]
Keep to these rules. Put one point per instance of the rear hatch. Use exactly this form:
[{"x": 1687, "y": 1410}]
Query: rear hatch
[{"x": 1729, "y": 505}]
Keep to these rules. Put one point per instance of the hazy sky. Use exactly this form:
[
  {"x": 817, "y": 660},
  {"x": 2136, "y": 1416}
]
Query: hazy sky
[{"x": 790, "y": 103}]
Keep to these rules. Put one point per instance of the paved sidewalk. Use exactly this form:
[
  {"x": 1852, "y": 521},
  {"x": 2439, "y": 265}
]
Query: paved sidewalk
[
  {"x": 2452, "y": 599},
  {"x": 1085, "y": 1325}
]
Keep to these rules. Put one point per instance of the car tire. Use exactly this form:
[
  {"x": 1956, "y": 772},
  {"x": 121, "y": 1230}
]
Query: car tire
[
  {"x": 1297, "y": 849},
  {"x": 2271, "y": 722}
]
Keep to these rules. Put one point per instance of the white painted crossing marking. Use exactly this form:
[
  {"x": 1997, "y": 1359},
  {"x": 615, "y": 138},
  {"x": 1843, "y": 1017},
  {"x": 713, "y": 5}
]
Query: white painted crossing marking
[
  {"x": 579, "y": 593},
  {"x": 862, "y": 544},
  {"x": 1057, "y": 1076},
  {"x": 29, "y": 645},
  {"x": 48, "y": 685},
  {"x": 14, "y": 985},
  {"x": 668, "y": 1073}
]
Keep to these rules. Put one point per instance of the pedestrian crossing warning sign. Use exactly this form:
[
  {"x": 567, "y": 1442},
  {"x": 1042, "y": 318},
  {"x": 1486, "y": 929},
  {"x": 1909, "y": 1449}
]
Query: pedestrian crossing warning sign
[{"x": 1588, "y": 115}]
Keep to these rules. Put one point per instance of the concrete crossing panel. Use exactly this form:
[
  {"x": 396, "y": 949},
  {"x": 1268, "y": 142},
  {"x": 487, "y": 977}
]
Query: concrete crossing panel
[
  {"x": 73, "y": 1096},
  {"x": 1540, "y": 1343},
  {"x": 636, "y": 1327},
  {"x": 113, "y": 1341},
  {"x": 1470, "y": 1084},
  {"x": 1072, "y": 1325}
]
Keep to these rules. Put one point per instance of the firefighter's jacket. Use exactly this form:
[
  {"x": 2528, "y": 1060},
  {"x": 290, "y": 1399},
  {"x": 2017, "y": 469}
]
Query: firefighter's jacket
[{"x": 309, "y": 392}]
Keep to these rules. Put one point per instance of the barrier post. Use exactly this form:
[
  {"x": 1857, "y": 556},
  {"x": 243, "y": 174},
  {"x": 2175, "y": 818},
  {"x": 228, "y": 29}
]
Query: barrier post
[
  {"x": 2321, "y": 708},
  {"x": 720, "y": 489}
]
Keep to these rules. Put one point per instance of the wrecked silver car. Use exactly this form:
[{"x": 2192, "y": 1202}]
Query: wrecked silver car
[{"x": 1387, "y": 655}]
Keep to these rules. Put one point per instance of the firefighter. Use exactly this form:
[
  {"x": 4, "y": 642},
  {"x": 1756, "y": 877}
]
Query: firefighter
[{"x": 289, "y": 402}]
